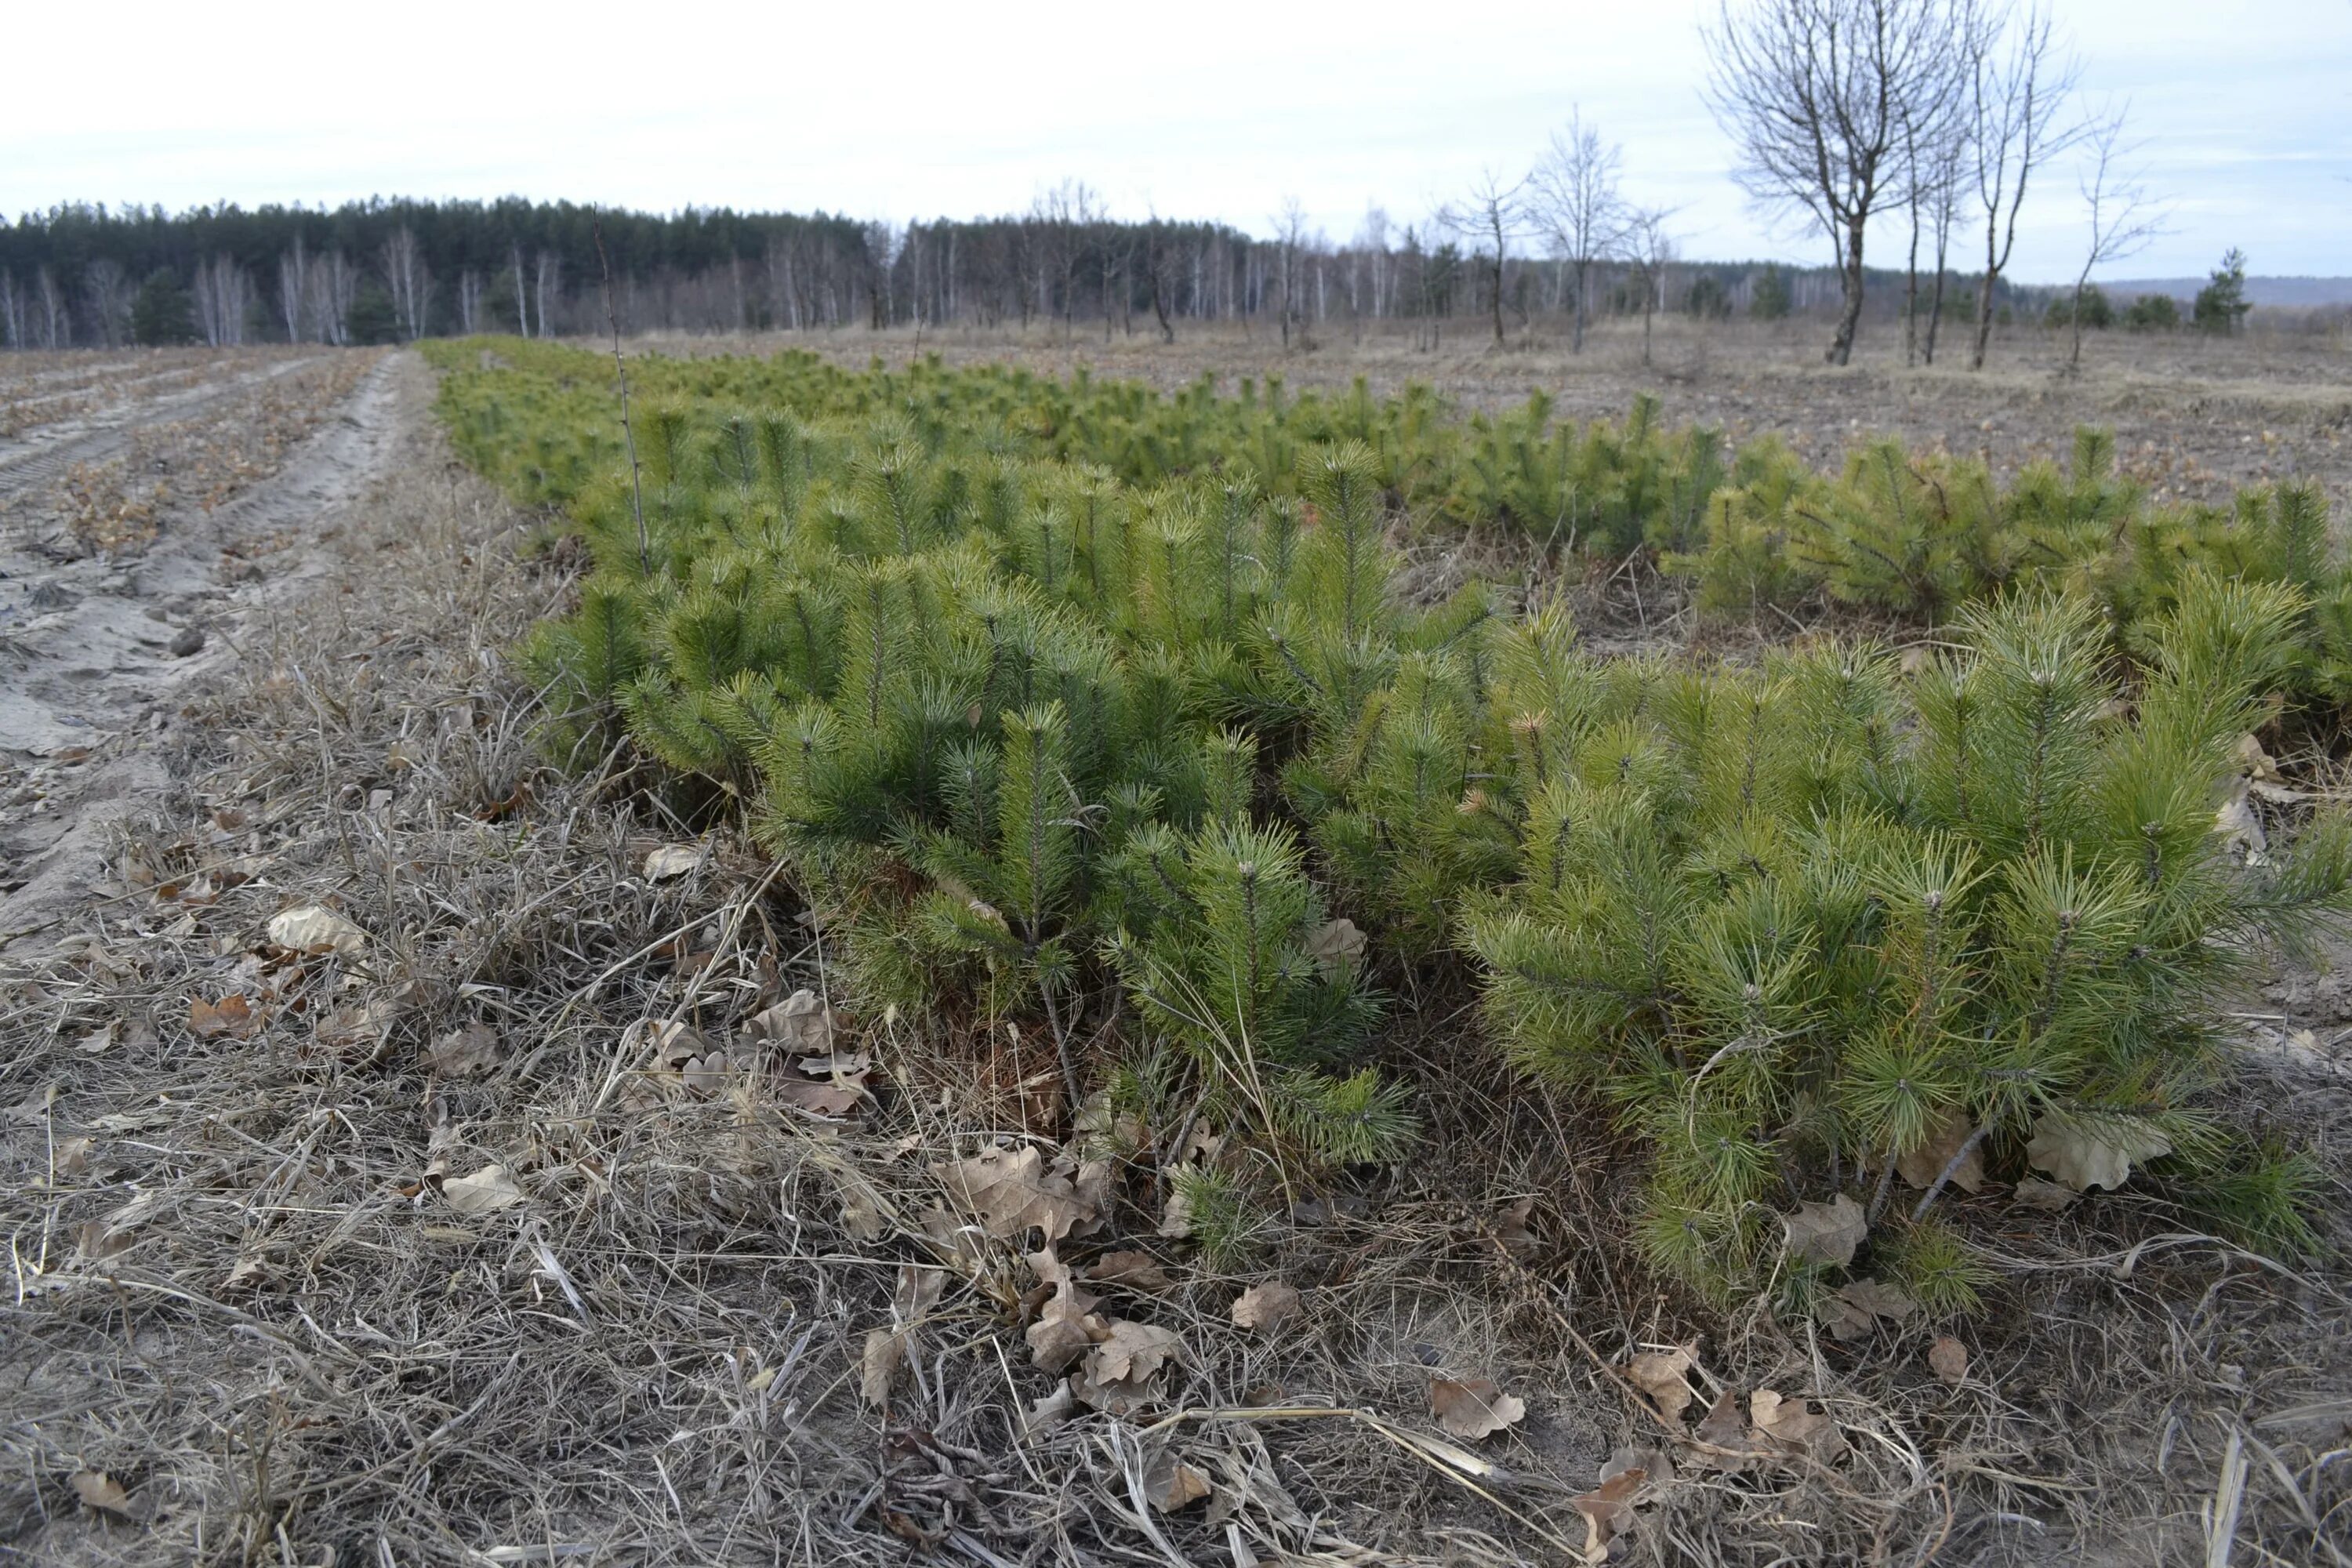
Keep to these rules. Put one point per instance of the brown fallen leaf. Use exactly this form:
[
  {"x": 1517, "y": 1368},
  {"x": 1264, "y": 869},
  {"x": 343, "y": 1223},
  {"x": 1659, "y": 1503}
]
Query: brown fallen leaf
[
  {"x": 1046, "y": 1414},
  {"x": 1067, "y": 1326},
  {"x": 819, "y": 1099},
  {"x": 1921, "y": 1166},
  {"x": 1132, "y": 1352},
  {"x": 1948, "y": 1359},
  {"x": 470, "y": 1051},
  {"x": 1472, "y": 1408},
  {"x": 2046, "y": 1197},
  {"x": 916, "y": 1291},
  {"x": 99, "y": 1491},
  {"x": 1009, "y": 1192},
  {"x": 1608, "y": 1509},
  {"x": 665, "y": 862},
  {"x": 1854, "y": 1308},
  {"x": 878, "y": 1364},
  {"x": 2082, "y": 1157},
  {"x": 1825, "y": 1233},
  {"x": 1790, "y": 1426},
  {"x": 1264, "y": 1307},
  {"x": 800, "y": 1024},
  {"x": 487, "y": 1191},
  {"x": 1665, "y": 1376},
  {"x": 314, "y": 928},
  {"x": 1337, "y": 947},
  {"x": 1132, "y": 1271},
  {"x": 232, "y": 1015},
  {"x": 1721, "y": 1427},
  {"x": 1169, "y": 1483}
]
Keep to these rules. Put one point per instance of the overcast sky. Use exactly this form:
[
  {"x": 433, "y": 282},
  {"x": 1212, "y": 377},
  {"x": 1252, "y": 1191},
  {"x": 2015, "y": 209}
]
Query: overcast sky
[{"x": 1211, "y": 110}]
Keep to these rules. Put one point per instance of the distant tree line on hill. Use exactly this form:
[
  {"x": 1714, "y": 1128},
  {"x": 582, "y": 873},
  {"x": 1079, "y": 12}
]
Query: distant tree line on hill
[{"x": 396, "y": 270}]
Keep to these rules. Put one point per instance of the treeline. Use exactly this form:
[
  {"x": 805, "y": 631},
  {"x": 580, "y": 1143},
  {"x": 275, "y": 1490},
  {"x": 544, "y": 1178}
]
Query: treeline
[{"x": 383, "y": 271}]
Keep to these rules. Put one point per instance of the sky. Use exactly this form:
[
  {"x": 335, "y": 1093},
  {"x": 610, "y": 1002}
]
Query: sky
[{"x": 1215, "y": 110}]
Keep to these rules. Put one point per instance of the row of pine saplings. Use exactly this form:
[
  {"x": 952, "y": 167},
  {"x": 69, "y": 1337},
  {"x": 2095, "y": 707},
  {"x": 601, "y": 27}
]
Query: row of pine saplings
[{"x": 1168, "y": 772}]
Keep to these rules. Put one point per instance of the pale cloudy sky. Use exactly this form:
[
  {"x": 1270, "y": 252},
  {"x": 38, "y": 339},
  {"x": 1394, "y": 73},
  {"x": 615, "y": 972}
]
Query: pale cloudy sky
[{"x": 1213, "y": 109}]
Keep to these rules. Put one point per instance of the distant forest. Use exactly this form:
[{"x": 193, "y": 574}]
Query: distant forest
[{"x": 394, "y": 270}]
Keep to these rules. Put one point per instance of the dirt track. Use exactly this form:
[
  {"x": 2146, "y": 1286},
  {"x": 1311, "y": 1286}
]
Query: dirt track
[{"x": 97, "y": 650}]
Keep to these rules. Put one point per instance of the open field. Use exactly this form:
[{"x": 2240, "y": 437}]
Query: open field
[
  {"x": 426, "y": 1252},
  {"x": 2194, "y": 416}
]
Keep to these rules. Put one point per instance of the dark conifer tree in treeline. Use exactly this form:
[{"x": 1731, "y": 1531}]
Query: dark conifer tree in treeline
[{"x": 397, "y": 270}]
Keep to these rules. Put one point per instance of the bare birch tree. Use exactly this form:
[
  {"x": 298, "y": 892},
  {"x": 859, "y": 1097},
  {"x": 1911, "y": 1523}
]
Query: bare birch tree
[
  {"x": 2020, "y": 80},
  {"x": 2124, "y": 219},
  {"x": 106, "y": 290},
  {"x": 56, "y": 318},
  {"x": 1814, "y": 93},
  {"x": 1574, "y": 195},
  {"x": 1648, "y": 249},
  {"x": 411, "y": 284},
  {"x": 1491, "y": 215}
]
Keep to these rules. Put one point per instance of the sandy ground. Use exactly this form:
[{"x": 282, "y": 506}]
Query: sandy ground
[{"x": 98, "y": 648}]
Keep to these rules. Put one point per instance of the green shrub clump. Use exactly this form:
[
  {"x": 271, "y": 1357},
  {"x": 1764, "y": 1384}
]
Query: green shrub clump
[{"x": 1105, "y": 720}]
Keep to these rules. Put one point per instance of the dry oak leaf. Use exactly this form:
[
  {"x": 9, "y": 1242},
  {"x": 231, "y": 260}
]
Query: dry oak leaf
[
  {"x": 878, "y": 1364},
  {"x": 1663, "y": 1375},
  {"x": 1472, "y": 1408},
  {"x": 801, "y": 1025},
  {"x": 467, "y": 1052},
  {"x": 1721, "y": 1427},
  {"x": 2082, "y": 1157},
  {"x": 2048, "y": 1197},
  {"x": 314, "y": 928},
  {"x": 232, "y": 1015},
  {"x": 819, "y": 1099},
  {"x": 1608, "y": 1509},
  {"x": 1067, "y": 1327},
  {"x": 1948, "y": 1359},
  {"x": 664, "y": 862},
  {"x": 1009, "y": 1191},
  {"x": 1921, "y": 1166},
  {"x": 1169, "y": 1483},
  {"x": 1116, "y": 1377},
  {"x": 1336, "y": 948},
  {"x": 487, "y": 1191},
  {"x": 1046, "y": 1414},
  {"x": 1789, "y": 1426},
  {"x": 1132, "y": 1352},
  {"x": 1825, "y": 1233},
  {"x": 1264, "y": 1307},
  {"x": 98, "y": 1490},
  {"x": 1857, "y": 1305},
  {"x": 1132, "y": 1271}
]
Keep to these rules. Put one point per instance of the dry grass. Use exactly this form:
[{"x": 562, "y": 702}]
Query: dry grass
[{"x": 240, "y": 1289}]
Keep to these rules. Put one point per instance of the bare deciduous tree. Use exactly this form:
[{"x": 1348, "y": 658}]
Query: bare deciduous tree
[
  {"x": 2020, "y": 80},
  {"x": 1574, "y": 196},
  {"x": 411, "y": 285},
  {"x": 105, "y": 290},
  {"x": 1814, "y": 94},
  {"x": 1648, "y": 249},
  {"x": 2124, "y": 219},
  {"x": 1491, "y": 215},
  {"x": 1936, "y": 124}
]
